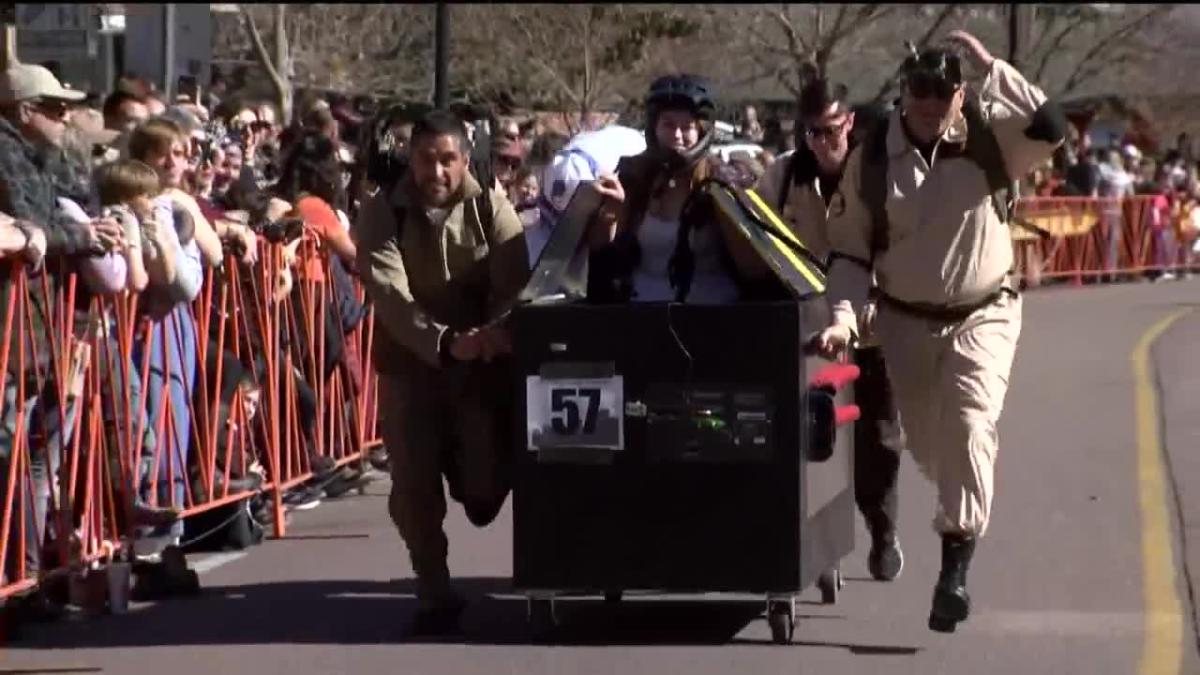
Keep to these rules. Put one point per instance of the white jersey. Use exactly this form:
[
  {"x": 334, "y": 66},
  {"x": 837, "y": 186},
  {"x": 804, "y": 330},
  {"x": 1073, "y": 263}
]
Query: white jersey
[{"x": 583, "y": 159}]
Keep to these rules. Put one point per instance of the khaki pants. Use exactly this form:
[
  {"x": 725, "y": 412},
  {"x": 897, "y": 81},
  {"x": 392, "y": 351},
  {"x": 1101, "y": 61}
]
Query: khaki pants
[
  {"x": 455, "y": 422},
  {"x": 950, "y": 379}
]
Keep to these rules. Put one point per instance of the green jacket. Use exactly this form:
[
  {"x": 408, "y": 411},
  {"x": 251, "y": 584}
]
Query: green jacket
[{"x": 425, "y": 279}]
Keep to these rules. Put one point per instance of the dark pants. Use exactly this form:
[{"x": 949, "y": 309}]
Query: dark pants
[
  {"x": 456, "y": 422},
  {"x": 37, "y": 482},
  {"x": 877, "y": 443}
]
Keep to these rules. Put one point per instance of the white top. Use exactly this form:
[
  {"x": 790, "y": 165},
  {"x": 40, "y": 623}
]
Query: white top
[
  {"x": 586, "y": 156},
  {"x": 536, "y": 234},
  {"x": 580, "y": 161},
  {"x": 711, "y": 285}
]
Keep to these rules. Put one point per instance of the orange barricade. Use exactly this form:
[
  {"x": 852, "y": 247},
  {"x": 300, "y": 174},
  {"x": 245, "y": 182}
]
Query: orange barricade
[
  {"x": 119, "y": 445},
  {"x": 1090, "y": 239}
]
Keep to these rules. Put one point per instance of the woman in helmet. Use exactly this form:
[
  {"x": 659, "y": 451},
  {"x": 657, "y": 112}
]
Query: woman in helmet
[{"x": 657, "y": 238}]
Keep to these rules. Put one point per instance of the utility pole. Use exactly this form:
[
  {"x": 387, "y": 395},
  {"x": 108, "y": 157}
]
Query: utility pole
[
  {"x": 1014, "y": 33},
  {"x": 441, "y": 56},
  {"x": 168, "y": 71}
]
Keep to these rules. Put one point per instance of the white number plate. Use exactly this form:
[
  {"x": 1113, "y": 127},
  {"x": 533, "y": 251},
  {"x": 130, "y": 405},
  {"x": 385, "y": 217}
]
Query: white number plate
[{"x": 575, "y": 413}]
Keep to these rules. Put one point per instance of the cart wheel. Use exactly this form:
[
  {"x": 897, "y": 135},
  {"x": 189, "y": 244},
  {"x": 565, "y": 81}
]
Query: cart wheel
[
  {"x": 782, "y": 623},
  {"x": 613, "y": 597},
  {"x": 542, "y": 618},
  {"x": 830, "y": 582}
]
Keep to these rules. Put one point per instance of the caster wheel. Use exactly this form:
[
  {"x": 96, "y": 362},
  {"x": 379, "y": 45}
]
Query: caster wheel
[
  {"x": 782, "y": 623},
  {"x": 542, "y": 619},
  {"x": 830, "y": 582},
  {"x": 613, "y": 597}
]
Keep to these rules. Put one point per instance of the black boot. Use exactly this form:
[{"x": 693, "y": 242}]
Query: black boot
[
  {"x": 886, "y": 560},
  {"x": 440, "y": 616},
  {"x": 951, "y": 603}
]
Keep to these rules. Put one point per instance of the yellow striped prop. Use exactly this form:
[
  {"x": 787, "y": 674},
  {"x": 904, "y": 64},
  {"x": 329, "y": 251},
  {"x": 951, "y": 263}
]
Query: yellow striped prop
[{"x": 773, "y": 239}]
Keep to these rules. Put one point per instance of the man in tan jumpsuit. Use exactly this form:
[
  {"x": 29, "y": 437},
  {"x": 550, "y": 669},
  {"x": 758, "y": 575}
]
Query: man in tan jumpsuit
[
  {"x": 801, "y": 186},
  {"x": 949, "y": 318},
  {"x": 442, "y": 272}
]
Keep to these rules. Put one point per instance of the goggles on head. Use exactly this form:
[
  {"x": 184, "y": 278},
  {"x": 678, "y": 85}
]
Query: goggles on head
[{"x": 933, "y": 73}]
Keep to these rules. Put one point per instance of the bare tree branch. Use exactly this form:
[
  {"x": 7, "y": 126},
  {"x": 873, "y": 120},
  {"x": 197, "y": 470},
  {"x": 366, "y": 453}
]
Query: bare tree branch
[
  {"x": 796, "y": 42},
  {"x": 278, "y": 68},
  {"x": 1055, "y": 46},
  {"x": 1100, "y": 46},
  {"x": 260, "y": 49}
]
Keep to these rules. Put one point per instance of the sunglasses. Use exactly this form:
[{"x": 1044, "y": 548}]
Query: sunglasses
[
  {"x": 923, "y": 86},
  {"x": 824, "y": 132},
  {"x": 56, "y": 110}
]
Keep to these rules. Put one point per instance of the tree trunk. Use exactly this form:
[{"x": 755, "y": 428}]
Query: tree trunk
[
  {"x": 585, "y": 100},
  {"x": 283, "y": 65},
  {"x": 277, "y": 65}
]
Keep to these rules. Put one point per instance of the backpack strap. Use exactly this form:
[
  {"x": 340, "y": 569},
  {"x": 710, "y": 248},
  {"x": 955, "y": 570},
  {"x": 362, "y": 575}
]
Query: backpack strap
[
  {"x": 789, "y": 174},
  {"x": 984, "y": 150},
  {"x": 873, "y": 185},
  {"x": 483, "y": 207},
  {"x": 483, "y": 211}
]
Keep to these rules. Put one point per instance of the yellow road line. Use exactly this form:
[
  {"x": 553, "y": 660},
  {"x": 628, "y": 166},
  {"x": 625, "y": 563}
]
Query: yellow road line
[{"x": 1162, "y": 637}]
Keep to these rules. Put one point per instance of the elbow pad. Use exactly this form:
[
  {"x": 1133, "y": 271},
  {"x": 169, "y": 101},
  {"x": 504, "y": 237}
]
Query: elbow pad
[{"x": 1048, "y": 124}]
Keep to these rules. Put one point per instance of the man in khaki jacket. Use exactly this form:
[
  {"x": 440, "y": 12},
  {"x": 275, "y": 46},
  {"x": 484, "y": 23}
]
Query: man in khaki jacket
[
  {"x": 801, "y": 186},
  {"x": 442, "y": 272},
  {"x": 940, "y": 252}
]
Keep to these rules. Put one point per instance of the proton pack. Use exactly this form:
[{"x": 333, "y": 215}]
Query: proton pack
[{"x": 711, "y": 423}]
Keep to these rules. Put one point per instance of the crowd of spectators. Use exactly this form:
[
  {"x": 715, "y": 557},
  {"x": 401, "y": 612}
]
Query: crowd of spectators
[{"x": 149, "y": 196}]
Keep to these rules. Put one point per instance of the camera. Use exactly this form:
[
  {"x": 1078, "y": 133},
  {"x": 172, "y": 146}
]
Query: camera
[{"x": 284, "y": 230}]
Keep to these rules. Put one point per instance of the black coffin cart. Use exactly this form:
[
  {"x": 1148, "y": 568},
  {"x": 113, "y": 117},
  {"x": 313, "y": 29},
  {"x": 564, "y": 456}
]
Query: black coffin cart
[{"x": 674, "y": 447}]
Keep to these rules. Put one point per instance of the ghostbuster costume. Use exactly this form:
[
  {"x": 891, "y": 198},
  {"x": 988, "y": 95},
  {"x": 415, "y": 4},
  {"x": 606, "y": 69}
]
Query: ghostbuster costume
[
  {"x": 932, "y": 229},
  {"x": 431, "y": 273},
  {"x": 796, "y": 187}
]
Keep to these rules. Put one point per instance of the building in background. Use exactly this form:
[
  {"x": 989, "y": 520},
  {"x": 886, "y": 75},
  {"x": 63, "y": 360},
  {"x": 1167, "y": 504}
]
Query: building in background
[
  {"x": 88, "y": 45},
  {"x": 186, "y": 27},
  {"x": 75, "y": 41}
]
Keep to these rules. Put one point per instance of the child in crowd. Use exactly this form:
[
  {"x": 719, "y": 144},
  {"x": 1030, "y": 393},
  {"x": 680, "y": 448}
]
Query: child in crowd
[{"x": 127, "y": 190}]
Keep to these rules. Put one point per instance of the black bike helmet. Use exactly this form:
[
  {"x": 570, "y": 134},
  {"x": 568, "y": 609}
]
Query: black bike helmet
[{"x": 681, "y": 92}]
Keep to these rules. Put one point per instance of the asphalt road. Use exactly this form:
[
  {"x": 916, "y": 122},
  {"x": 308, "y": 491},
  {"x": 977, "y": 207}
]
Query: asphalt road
[{"x": 1061, "y": 584}]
